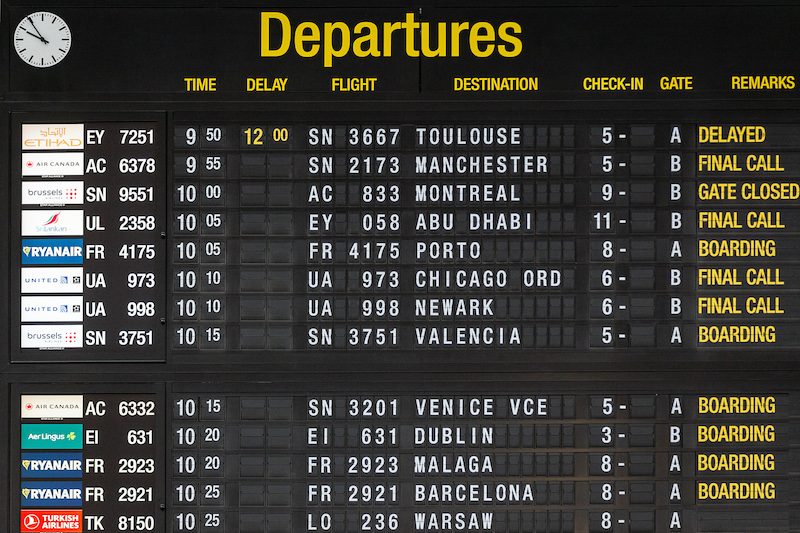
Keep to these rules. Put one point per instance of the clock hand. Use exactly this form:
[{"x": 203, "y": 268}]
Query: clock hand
[
  {"x": 34, "y": 35},
  {"x": 45, "y": 41}
]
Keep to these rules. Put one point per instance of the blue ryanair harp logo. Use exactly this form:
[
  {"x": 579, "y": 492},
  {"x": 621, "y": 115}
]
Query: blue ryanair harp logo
[
  {"x": 52, "y": 251},
  {"x": 51, "y": 465}
]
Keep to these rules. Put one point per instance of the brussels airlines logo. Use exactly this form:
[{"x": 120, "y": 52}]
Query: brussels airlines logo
[
  {"x": 51, "y": 336},
  {"x": 52, "y": 164},
  {"x": 52, "y": 136},
  {"x": 49, "y": 222},
  {"x": 52, "y": 251},
  {"x": 51, "y": 494},
  {"x": 51, "y": 465},
  {"x": 52, "y": 193}
]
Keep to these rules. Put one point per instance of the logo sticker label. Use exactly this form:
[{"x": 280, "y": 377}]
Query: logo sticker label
[
  {"x": 52, "y": 136},
  {"x": 51, "y": 465},
  {"x": 52, "y": 164},
  {"x": 52, "y": 251},
  {"x": 52, "y": 193},
  {"x": 46, "y": 222},
  {"x": 51, "y": 336},
  {"x": 51, "y": 494},
  {"x": 51, "y": 308},
  {"x": 51, "y": 406},
  {"x": 52, "y": 436},
  {"x": 63, "y": 521},
  {"x": 51, "y": 280}
]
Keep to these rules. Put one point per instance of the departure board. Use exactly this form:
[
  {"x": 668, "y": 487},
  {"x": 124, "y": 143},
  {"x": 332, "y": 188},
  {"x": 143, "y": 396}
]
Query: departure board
[{"x": 400, "y": 267}]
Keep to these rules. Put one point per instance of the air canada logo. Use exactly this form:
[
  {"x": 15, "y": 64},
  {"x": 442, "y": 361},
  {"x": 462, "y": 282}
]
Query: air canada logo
[
  {"x": 52, "y": 164},
  {"x": 52, "y": 406}
]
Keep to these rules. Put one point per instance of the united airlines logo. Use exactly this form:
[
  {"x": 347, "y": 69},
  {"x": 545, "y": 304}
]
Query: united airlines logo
[
  {"x": 51, "y": 308},
  {"x": 51, "y": 280}
]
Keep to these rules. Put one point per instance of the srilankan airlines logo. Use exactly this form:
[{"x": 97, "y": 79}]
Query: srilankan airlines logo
[
  {"x": 52, "y": 220},
  {"x": 49, "y": 222}
]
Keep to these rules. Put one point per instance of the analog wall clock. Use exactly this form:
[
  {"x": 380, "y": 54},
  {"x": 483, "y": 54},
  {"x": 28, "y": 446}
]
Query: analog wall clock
[{"x": 42, "y": 39}]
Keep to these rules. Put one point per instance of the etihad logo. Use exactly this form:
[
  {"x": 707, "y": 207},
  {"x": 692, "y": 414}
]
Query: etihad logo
[
  {"x": 51, "y": 336},
  {"x": 52, "y": 136},
  {"x": 51, "y": 407},
  {"x": 52, "y": 251},
  {"x": 49, "y": 222},
  {"x": 46, "y": 193},
  {"x": 367, "y": 39},
  {"x": 52, "y": 164},
  {"x": 51, "y": 465}
]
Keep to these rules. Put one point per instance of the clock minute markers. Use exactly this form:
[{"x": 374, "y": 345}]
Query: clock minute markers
[
  {"x": 37, "y": 49},
  {"x": 45, "y": 41}
]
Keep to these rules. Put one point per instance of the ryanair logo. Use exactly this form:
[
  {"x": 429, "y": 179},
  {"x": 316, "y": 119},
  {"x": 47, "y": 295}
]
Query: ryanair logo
[
  {"x": 52, "y": 251},
  {"x": 51, "y": 494},
  {"x": 51, "y": 465}
]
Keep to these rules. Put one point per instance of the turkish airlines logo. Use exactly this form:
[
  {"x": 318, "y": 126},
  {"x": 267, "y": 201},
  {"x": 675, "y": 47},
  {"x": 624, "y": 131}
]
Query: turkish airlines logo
[
  {"x": 31, "y": 521},
  {"x": 39, "y": 521}
]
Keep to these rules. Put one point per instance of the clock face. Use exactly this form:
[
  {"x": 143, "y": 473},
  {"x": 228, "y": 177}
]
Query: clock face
[{"x": 42, "y": 39}]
